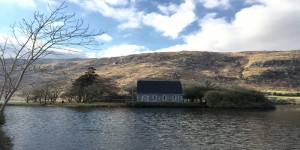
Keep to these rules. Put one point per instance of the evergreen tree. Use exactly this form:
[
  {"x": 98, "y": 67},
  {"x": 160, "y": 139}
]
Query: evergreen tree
[
  {"x": 91, "y": 86},
  {"x": 89, "y": 78}
]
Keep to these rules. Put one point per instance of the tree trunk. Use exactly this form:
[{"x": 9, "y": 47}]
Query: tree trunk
[
  {"x": 3, "y": 106},
  {"x": 7, "y": 98},
  {"x": 2, "y": 119}
]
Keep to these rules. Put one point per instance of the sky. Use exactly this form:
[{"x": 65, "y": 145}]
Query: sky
[{"x": 143, "y": 26}]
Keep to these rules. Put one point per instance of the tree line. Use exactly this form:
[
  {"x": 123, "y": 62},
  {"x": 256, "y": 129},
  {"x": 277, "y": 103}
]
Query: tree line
[
  {"x": 88, "y": 87},
  {"x": 91, "y": 87}
]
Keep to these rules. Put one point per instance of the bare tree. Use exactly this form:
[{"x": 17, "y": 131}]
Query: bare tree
[
  {"x": 37, "y": 38},
  {"x": 27, "y": 93},
  {"x": 51, "y": 90},
  {"x": 55, "y": 92},
  {"x": 131, "y": 90}
]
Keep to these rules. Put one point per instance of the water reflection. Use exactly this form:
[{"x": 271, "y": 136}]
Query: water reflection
[
  {"x": 5, "y": 141},
  {"x": 151, "y": 128}
]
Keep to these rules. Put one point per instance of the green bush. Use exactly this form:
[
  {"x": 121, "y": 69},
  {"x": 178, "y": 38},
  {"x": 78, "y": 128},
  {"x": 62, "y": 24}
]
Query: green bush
[
  {"x": 237, "y": 98},
  {"x": 197, "y": 91}
]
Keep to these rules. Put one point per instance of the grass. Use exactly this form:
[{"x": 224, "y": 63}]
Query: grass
[
  {"x": 279, "y": 100},
  {"x": 164, "y": 104},
  {"x": 285, "y": 99},
  {"x": 71, "y": 104},
  {"x": 95, "y": 104},
  {"x": 22, "y": 104},
  {"x": 111, "y": 104},
  {"x": 282, "y": 92}
]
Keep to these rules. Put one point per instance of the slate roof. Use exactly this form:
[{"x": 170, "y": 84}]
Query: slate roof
[{"x": 159, "y": 87}]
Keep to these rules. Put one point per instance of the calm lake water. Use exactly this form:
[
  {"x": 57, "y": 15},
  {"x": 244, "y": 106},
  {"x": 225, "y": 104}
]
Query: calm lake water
[{"x": 56, "y": 128}]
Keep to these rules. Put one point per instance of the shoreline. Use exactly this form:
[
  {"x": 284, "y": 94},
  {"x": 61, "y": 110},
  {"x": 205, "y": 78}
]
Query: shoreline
[
  {"x": 110, "y": 104},
  {"x": 129, "y": 105}
]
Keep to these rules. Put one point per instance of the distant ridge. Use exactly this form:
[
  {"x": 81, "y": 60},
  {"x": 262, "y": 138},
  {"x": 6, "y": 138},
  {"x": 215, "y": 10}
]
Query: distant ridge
[{"x": 259, "y": 69}]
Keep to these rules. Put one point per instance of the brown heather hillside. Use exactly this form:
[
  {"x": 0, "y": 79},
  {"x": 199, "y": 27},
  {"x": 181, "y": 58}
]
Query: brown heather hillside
[{"x": 261, "y": 69}]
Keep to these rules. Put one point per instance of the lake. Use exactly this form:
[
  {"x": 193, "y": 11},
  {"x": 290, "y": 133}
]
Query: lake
[{"x": 58, "y": 128}]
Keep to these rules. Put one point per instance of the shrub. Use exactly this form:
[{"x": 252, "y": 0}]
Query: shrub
[
  {"x": 236, "y": 98},
  {"x": 197, "y": 91}
]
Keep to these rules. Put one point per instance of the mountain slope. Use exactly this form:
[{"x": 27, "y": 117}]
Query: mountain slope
[{"x": 260, "y": 69}]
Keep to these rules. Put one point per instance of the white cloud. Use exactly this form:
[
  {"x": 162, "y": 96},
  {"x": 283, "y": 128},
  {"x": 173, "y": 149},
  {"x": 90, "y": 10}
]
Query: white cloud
[
  {"x": 104, "y": 37},
  {"x": 64, "y": 53},
  {"x": 250, "y": 1},
  {"x": 172, "y": 25},
  {"x": 52, "y": 3},
  {"x": 116, "y": 9},
  {"x": 3, "y": 36},
  {"x": 117, "y": 2},
  {"x": 172, "y": 8},
  {"x": 10, "y": 39},
  {"x": 122, "y": 50},
  {"x": 215, "y": 3},
  {"x": 175, "y": 18},
  {"x": 75, "y": 1},
  {"x": 68, "y": 52},
  {"x": 132, "y": 21},
  {"x": 20, "y": 3},
  {"x": 273, "y": 25},
  {"x": 177, "y": 48}
]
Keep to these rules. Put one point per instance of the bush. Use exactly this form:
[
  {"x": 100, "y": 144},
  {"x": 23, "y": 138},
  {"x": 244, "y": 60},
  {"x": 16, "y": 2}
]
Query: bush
[
  {"x": 236, "y": 98},
  {"x": 197, "y": 91}
]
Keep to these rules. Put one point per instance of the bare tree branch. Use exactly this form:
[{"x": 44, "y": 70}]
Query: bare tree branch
[{"x": 37, "y": 38}]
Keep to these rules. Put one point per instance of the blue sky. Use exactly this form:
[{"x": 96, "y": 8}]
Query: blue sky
[{"x": 140, "y": 26}]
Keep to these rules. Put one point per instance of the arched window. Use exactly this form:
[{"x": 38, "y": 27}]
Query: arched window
[
  {"x": 164, "y": 97},
  {"x": 174, "y": 98},
  {"x": 144, "y": 98},
  {"x": 154, "y": 98}
]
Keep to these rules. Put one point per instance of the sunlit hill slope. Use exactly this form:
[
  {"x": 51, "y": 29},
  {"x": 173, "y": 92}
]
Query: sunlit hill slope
[{"x": 259, "y": 69}]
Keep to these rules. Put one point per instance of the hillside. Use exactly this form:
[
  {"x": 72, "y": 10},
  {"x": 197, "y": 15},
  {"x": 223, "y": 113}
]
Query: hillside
[{"x": 260, "y": 69}]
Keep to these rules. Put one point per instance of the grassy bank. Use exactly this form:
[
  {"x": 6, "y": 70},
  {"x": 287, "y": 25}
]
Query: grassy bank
[
  {"x": 165, "y": 104},
  {"x": 71, "y": 104},
  {"x": 111, "y": 104},
  {"x": 284, "y": 97},
  {"x": 285, "y": 100},
  {"x": 129, "y": 104}
]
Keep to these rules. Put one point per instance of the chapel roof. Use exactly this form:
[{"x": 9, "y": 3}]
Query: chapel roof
[{"x": 159, "y": 87}]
